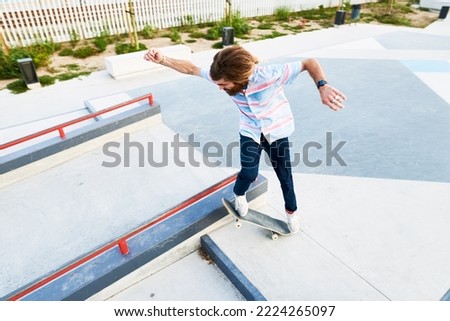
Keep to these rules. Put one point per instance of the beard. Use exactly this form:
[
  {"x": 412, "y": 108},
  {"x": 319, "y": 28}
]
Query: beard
[{"x": 236, "y": 89}]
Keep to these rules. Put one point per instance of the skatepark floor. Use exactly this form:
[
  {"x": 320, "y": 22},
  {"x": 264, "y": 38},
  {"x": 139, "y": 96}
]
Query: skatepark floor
[{"x": 374, "y": 229}]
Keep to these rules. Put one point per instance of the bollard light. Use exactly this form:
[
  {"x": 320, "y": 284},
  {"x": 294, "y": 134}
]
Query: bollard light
[
  {"x": 443, "y": 13},
  {"x": 339, "y": 18},
  {"x": 28, "y": 71},
  {"x": 227, "y": 36}
]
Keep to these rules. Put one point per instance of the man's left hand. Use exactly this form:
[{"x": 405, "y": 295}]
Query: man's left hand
[{"x": 332, "y": 97}]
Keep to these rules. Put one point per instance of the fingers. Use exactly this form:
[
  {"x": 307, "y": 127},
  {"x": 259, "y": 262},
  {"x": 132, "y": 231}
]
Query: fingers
[
  {"x": 334, "y": 99},
  {"x": 337, "y": 101},
  {"x": 152, "y": 55}
]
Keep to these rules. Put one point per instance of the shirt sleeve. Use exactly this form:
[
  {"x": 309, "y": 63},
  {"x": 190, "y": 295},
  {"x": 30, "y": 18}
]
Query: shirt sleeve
[
  {"x": 289, "y": 72},
  {"x": 204, "y": 73}
]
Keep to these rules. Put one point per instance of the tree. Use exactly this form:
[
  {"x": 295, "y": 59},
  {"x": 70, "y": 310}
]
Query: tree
[
  {"x": 3, "y": 45},
  {"x": 133, "y": 35},
  {"x": 390, "y": 6}
]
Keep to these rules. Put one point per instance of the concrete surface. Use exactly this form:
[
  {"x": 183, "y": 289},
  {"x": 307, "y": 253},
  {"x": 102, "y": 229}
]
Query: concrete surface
[{"x": 375, "y": 228}]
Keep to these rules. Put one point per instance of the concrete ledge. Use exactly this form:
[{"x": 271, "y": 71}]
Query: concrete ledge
[
  {"x": 434, "y": 4},
  {"x": 87, "y": 275},
  {"x": 30, "y": 160},
  {"x": 133, "y": 64},
  {"x": 232, "y": 272}
]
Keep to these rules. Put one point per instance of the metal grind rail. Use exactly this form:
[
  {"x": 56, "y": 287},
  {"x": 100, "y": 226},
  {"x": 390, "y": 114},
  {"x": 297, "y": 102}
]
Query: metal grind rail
[{"x": 60, "y": 127}]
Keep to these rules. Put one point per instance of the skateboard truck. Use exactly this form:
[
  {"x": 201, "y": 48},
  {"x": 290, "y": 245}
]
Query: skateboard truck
[
  {"x": 275, "y": 226},
  {"x": 275, "y": 235}
]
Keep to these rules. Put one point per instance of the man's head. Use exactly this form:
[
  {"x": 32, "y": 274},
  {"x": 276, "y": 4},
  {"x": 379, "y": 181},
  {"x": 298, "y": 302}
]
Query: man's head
[{"x": 231, "y": 69}]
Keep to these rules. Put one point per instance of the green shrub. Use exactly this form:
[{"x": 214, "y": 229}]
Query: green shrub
[
  {"x": 175, "y": 36},
  {"x": 47, "y": 47},
  {"x": 42, "y": 59},
  {"x": 124, "y": 48},
  {"x": 84, "y": 52},
  {"x": 394, "y": 19},
  {"x": 73, "y": 67},
  {"x": 274, "y": 34},
  {"x": 46, "y": 80},
  {"x": 282, "y": 13},
  {"x": 213, "y": 33},
  {"x": 148, "y": 32},
  {"x": 265, "y": 26},
  {"x": 66, "y": 52},
  {"x": 197, "y": 35},
  {"x": 101, "y": 43},
  {"x": 74, "y": 38},
  {"x": 318, "y": 14},
  {"x": 70, "y": 75},
  {"x": 187, "y": 24},
  {"x": 9, "y": 68},
  {"x": 17, "y": 87},
  {"x": 240, "y": 25},
  {"x": 218, "y": 45}
]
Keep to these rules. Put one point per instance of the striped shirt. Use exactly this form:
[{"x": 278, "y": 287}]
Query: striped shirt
[{"x": 263, "y": 105}]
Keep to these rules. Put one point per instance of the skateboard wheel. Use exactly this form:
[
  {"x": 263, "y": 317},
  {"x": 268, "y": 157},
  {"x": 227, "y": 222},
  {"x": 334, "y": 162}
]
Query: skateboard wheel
[{"x": 274, "y": 236}]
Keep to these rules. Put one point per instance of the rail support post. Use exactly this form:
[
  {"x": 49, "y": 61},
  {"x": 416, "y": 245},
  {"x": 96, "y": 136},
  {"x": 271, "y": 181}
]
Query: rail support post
[{"x": 123, "y": 247}]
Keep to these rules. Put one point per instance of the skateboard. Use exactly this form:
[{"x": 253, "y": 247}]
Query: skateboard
[{"x": 276, "y": 226}]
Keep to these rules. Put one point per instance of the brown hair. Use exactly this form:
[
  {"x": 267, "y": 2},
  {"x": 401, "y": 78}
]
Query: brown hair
[{"x": 233, "y": 64}]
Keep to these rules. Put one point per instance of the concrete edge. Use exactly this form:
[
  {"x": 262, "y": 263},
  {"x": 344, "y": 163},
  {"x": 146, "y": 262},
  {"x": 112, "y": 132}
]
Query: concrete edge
[
  {"x": 55, "y": 145},
  {"x": 93, "y": 272},
  {"x": 54, "y": 152},
  {"x": 231, "y": 271},
  {"x": 158, "y": 264}
]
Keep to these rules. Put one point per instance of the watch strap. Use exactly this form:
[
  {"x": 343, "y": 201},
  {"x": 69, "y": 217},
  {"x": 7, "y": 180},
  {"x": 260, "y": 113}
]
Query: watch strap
[{"x": 321, "y": 83}]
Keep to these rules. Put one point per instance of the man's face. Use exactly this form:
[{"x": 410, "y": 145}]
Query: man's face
[{"x": 229, "y": 87}]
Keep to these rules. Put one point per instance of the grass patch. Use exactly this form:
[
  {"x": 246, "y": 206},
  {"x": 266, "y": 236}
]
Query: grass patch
[
  {"x": 73, "y": 67},
  {"x": 17, "y": 87},
  {"x": 47, "y": 80},
  {"x": 265, "y": 26},
  {"x": 217, "y": 45},
  {"x": 71, "y": 75},
  {"x": 84, "y": 52},
  {"x": 197, "y": 35},
  {"x": 274, "y": 34},
  {"x": 124, "y": 48}
]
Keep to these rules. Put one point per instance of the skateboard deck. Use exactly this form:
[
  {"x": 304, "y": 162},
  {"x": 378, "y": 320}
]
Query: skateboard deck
[{"x": 276, "y": 226}]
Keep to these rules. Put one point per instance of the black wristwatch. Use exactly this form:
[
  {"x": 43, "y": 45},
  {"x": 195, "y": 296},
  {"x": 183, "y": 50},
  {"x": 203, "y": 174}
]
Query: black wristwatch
[{"x": 321, "y": 83}]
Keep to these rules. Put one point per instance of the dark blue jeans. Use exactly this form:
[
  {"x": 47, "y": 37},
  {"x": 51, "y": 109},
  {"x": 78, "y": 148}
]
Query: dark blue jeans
[{"x": 280, "y": 159}]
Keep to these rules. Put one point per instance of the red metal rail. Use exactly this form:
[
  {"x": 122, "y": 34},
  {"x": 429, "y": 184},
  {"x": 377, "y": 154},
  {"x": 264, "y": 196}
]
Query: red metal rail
[
  {"x": 122, "y": 242},
  {"x": 60, "y": 127}
]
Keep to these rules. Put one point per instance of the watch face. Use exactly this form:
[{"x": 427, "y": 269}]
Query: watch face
[{"x": 320, "y": 83}]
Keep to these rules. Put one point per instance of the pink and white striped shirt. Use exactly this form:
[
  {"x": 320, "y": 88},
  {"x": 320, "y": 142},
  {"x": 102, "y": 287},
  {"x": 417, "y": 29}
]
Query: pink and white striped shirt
[{"x": 263, "y": 105}]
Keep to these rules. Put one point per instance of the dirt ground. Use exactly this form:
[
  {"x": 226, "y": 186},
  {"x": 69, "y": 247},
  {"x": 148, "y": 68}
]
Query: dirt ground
[{"x": 418, "y": 18}]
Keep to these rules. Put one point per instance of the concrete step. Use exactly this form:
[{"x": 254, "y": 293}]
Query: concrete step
[{"x": 73, "y": 208}]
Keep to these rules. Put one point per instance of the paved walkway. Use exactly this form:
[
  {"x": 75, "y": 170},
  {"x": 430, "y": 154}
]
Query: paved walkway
[{"x": 374, "y": 228}]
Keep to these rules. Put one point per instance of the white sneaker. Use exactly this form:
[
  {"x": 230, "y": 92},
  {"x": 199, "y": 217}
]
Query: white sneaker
[
  {"x": 293, "y": 222},
  {"x": 241, "y": 205}
]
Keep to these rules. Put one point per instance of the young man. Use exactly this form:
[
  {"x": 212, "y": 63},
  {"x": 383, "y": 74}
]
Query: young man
[{"x": 266, "y": 118}]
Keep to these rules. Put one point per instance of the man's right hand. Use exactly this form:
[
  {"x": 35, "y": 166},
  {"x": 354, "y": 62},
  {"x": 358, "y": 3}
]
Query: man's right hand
[
  {"x": 183, "y": 66},
  {"x": 153, "y": 55}
]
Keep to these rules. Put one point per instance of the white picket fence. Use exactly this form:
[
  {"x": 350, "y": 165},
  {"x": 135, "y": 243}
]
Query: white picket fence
[{"x": 24, "y": 22}]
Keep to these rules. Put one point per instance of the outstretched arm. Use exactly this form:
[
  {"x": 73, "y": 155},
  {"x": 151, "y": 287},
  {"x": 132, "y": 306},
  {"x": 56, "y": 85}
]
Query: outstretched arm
[
  {"x": 329, "y": 95},
  {"x": 183, "y": 66}
]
